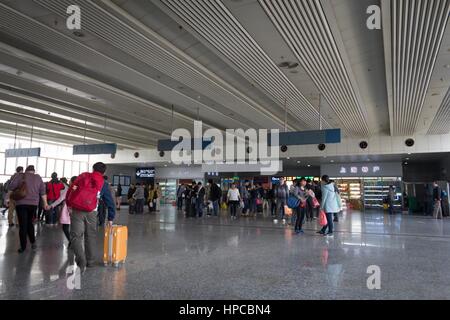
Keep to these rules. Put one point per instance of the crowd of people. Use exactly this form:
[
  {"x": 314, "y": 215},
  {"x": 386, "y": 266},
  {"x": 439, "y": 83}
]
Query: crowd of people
[
  {"x": 29, "y": 200},
  {"x": 291, "y": 205}
]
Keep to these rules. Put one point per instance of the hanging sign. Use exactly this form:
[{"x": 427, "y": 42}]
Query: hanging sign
[{"x": 23, "y": 153}]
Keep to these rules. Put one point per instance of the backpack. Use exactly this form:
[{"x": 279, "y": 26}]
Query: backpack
[{"x": 83, "y": 194}]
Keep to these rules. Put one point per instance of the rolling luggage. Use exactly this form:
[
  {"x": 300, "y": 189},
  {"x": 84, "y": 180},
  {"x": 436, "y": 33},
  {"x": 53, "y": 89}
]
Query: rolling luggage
[{"x": 115, "y": 245}]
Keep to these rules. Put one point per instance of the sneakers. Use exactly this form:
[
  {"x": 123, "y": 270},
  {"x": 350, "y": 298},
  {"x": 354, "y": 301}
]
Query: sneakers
[
  {"x": 275, "y": 221},
  {"x": 284, "y": 221},
  {"x": 320, "y": 232}
]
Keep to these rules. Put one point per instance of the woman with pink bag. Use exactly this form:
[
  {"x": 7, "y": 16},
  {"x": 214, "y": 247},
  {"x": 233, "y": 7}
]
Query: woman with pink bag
[{"x": 64, "y": 218}]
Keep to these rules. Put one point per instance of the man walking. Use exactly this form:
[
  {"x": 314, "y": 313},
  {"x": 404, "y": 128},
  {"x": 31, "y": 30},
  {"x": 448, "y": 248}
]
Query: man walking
[
  {"x": 437, "y": 208},
  {"x": 83, "y": 198},
  {"x": 214, "y": 196},
  {"x": 281, "y": 194}
]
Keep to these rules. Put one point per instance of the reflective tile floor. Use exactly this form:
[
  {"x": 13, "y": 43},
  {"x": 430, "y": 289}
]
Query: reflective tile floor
[{"x": 171, "y": 257}]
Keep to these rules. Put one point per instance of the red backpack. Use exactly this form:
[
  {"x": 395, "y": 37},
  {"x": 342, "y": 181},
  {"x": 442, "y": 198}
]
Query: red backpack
[{"x": 82, "y": 195}]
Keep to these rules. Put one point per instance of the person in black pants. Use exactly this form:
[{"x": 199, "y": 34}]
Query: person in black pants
[{"x": 26, "y": 205}]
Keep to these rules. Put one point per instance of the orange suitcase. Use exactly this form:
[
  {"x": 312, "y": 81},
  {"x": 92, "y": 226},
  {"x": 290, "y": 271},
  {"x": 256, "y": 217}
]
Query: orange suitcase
[{"x": 115, "y": 245}]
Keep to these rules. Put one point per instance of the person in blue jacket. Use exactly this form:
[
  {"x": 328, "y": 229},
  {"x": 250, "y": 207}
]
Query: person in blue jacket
[{"x": 329, "y": 204}]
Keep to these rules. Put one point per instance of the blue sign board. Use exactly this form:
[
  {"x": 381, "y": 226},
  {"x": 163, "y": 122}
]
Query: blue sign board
[
  {"x": 145, "y": 173},
  {"x": 23, "y": 153},
  {"x": 106, "y": 148},
  {"x": 308, "y": 137},
  {"x": 168, "y": 145}
]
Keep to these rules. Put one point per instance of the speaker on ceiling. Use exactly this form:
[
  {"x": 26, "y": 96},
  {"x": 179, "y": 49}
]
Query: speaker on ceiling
[
  {"x": 321, "y": 147},
  {"x": 409, "y": 142},
  {"x": 136, "y": 155},
  {"x": 113, "y": 155},
  {"x": 162, "y": 154},
  {"x": 284, "y": 148},
  {"x": 363, "y": 144}
]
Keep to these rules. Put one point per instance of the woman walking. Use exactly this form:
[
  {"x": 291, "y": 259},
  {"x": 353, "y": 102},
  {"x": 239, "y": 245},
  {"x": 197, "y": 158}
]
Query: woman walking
[
  {"x": 233, "y": 198},
  {"x": 25, "y": 190},
  {"x": 329, "y": 204}
]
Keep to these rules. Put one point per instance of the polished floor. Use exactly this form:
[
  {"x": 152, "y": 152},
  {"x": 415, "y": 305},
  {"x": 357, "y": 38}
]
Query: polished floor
[{"x": 171, "y": 257}]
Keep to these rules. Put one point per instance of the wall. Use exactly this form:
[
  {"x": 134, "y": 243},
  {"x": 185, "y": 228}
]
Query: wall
[
  {"x": 421, "y": 172},
  {"x": 116, "y": 170}
]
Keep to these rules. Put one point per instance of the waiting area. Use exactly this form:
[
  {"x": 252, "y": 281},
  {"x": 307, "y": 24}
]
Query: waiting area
[{"x": 173, "y": 257}]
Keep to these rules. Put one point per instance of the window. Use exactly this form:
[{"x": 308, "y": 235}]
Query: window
[
  {"x": 41, "y": 167},
  {"x": 60, "y": 168},
  {"x": 22, "y": 162},
  {"x": 83, "y": 167},
  {"x": 32, "y": 162},
  {"x": 2, "y": 163},
  {"x": 68, "y": 169},
  {"x": 50, "y": 167},
  {"x": 75, "y": 168},
  {"x": 10, "y": 166}
]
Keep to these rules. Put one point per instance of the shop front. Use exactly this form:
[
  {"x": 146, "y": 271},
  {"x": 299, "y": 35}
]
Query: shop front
[{"x": 365, "y": 186}]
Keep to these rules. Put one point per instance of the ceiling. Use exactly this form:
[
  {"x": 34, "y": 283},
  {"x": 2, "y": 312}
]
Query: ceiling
[{"x": 139, "y": 69}]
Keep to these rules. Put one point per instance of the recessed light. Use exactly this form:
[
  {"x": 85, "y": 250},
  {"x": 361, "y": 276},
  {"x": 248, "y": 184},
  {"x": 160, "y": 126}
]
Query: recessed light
[
  {"x": 407, "y": 158},
  {"x": 406, "y": 163},
  {"x": 284, "y": 64},
  {"x": 309, "y": 165},
  {"x": 299, "y": 162},
  {"x": 409, "y": 154},
  {"x": 332, "y": 161},
  {"x": 289, "y": 158},
  {"x": 78, "y": 34}
]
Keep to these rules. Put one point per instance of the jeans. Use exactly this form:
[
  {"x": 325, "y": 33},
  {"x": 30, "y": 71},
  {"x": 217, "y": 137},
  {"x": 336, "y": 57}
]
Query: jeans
[
  {"x": 280, "y": 207},
  {"x": 233, "y": 207},
  {"x": 180, "y": 203},
  {"x": 252, "y": 205},
  {"x": 139, "y": 205},
  {"x": 309, "y": 210},
  {"x": 437, "y": 210},
  {"x": 273, "y": 207},
  {"x": 391, "y": 207},
  {"x": 215, "y": 204},
  {"x": 246, "y": 206},
  {"x": 52, "y": 214},
  {"x": 26, "y": 228},
  {"x": 329, "y": 223},
  {"x": 300, "y": 212},
  {"x": 83, "y": 229},
  {"x": 199, "y": 207}
]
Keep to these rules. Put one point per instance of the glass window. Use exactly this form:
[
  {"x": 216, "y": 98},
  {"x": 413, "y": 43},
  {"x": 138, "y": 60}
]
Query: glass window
[
  {"x": 75, "y": 168},
  {"x": 83, "y": 167},
  {"x": 32, "y": 162},
  {"x": 68, "y": 169},
  {"x": 10, "y": 166},
  {"x": 2, "y": 163},
  {"x": 22, "y": 162},
  {"x": 50, "y": 167},
  {"x": 60, "y": 168},
  {"x": 41, "y": 167}
]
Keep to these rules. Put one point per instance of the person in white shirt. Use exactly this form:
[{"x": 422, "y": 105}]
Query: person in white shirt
[{"x": 233, "y": 198}]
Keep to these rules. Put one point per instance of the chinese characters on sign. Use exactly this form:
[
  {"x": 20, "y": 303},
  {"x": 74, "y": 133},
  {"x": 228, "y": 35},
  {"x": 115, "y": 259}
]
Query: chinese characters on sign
[{"x": 364, "y": 169}]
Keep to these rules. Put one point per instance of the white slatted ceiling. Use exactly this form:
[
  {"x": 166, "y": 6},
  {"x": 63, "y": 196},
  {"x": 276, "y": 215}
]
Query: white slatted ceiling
[
  {"x": 216, "y": 24},
  {"x": 304, "y": 27},
  {"x": 124, "y": 37},
  {"x": 441, "y": 123},
  {"x": 417, "y": 29}
]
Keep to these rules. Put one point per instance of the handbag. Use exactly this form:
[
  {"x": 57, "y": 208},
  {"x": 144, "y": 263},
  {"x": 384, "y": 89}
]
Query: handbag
[
  {"x": 259, "y": 201},
  {"x": 20, "y": 192},
  {"x": 322, "y": 218},
  {"x": 293, "y": 202},
  {"x": 316, "y": 203},
  {"x": 287, "y": 211}
]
